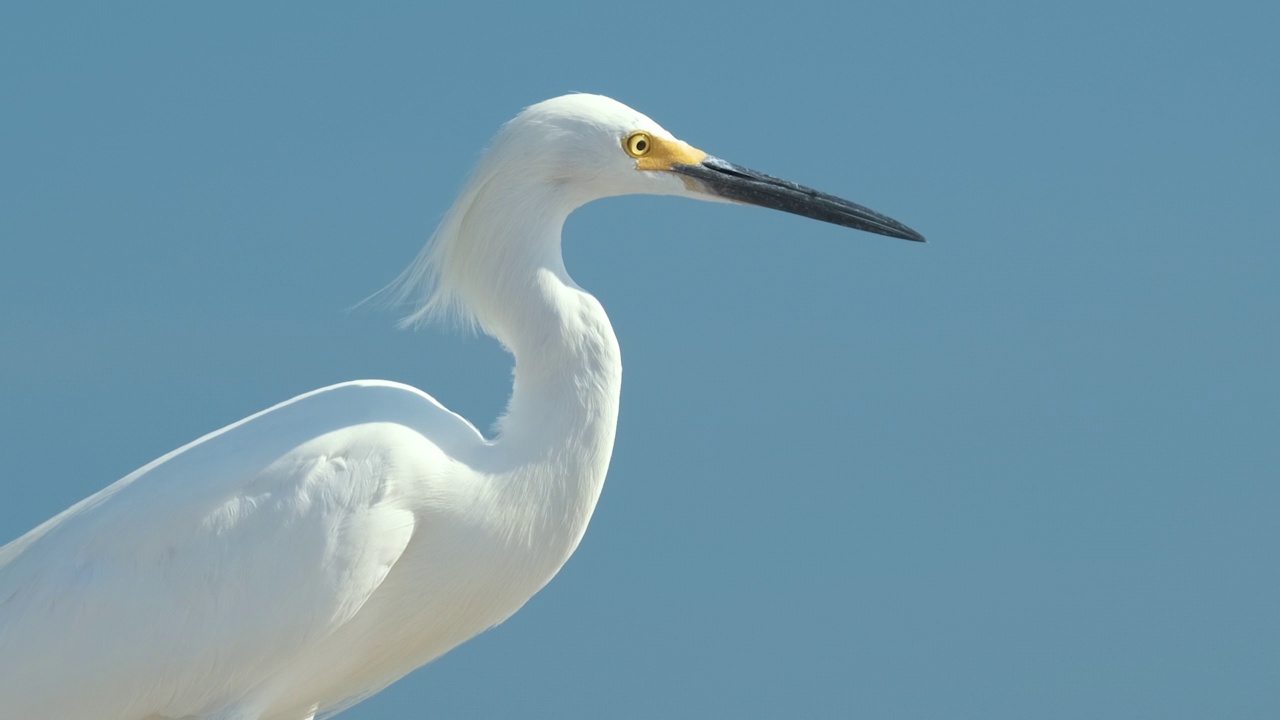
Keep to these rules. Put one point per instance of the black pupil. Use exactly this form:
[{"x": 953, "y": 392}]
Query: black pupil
[{"x": 641, "y": 145}]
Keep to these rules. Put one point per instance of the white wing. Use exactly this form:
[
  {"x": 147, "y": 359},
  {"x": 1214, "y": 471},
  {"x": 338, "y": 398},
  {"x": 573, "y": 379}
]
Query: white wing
[{"x": 189, "y": 582}]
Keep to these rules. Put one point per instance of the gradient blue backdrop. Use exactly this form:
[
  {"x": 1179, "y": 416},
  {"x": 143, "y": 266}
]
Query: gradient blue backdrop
[{"x": 1029, "y": 469}]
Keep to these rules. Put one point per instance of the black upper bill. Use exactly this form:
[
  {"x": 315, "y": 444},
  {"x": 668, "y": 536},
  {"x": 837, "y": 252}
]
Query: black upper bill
[{"x": 735, "y": 182}]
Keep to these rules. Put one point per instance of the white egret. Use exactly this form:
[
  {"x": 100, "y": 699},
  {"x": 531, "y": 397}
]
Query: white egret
[{"x": 302, "y": 559}]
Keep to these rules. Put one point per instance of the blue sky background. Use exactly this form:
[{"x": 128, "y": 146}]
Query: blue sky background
[{"x": 1029, "y": 469}]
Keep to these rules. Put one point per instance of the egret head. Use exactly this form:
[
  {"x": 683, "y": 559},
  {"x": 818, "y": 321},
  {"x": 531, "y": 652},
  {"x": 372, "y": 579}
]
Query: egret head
[
  {"x": 594, "y": 146},
  {"x": 591, "y": 146},
  {"x": 554, "y": 157}
]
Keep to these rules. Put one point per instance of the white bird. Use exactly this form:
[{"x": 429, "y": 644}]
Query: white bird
[{"x": 304, "y": 558}]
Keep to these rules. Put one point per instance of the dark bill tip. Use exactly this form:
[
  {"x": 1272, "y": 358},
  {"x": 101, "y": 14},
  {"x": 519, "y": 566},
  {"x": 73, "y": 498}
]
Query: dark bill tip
[{"x": 734, "y": 182}]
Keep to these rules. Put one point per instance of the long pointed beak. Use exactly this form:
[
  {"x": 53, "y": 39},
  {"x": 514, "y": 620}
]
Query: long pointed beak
[{"x": 734, "y": 182}]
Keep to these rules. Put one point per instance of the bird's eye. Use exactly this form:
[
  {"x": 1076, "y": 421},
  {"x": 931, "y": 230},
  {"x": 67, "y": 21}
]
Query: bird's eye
[{"x": 637, "y": 143}]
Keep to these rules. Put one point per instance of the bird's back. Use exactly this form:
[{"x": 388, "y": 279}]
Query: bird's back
[{"x": 189, "y": 582}]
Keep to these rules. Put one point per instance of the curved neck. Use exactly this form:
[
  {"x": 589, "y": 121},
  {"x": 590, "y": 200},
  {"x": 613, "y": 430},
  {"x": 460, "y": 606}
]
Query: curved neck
[
  {"x": 568, "y": 371},
  {"x": 500, "y": 264},
  {"x": 557, "y": 435}
]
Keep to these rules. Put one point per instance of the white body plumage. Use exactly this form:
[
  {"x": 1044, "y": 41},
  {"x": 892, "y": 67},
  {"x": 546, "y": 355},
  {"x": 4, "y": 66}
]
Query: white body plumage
[{"x": 301, "y": 559}]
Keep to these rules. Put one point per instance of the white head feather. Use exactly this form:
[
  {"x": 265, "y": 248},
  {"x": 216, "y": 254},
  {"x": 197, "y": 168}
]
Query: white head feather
[{"x": 549, "y": 160}]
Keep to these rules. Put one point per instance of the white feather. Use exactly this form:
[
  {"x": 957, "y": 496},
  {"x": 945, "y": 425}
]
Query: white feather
[{"x": 307, "y": 556}]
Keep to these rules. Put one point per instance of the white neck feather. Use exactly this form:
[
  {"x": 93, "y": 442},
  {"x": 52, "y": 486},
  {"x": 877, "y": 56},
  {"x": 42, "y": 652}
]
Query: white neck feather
[{"x": 495, "y": 263}]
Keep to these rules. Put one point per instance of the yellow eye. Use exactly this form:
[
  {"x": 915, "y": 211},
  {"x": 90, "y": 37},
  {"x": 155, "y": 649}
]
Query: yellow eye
[{"x": 637, "y": 144}]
